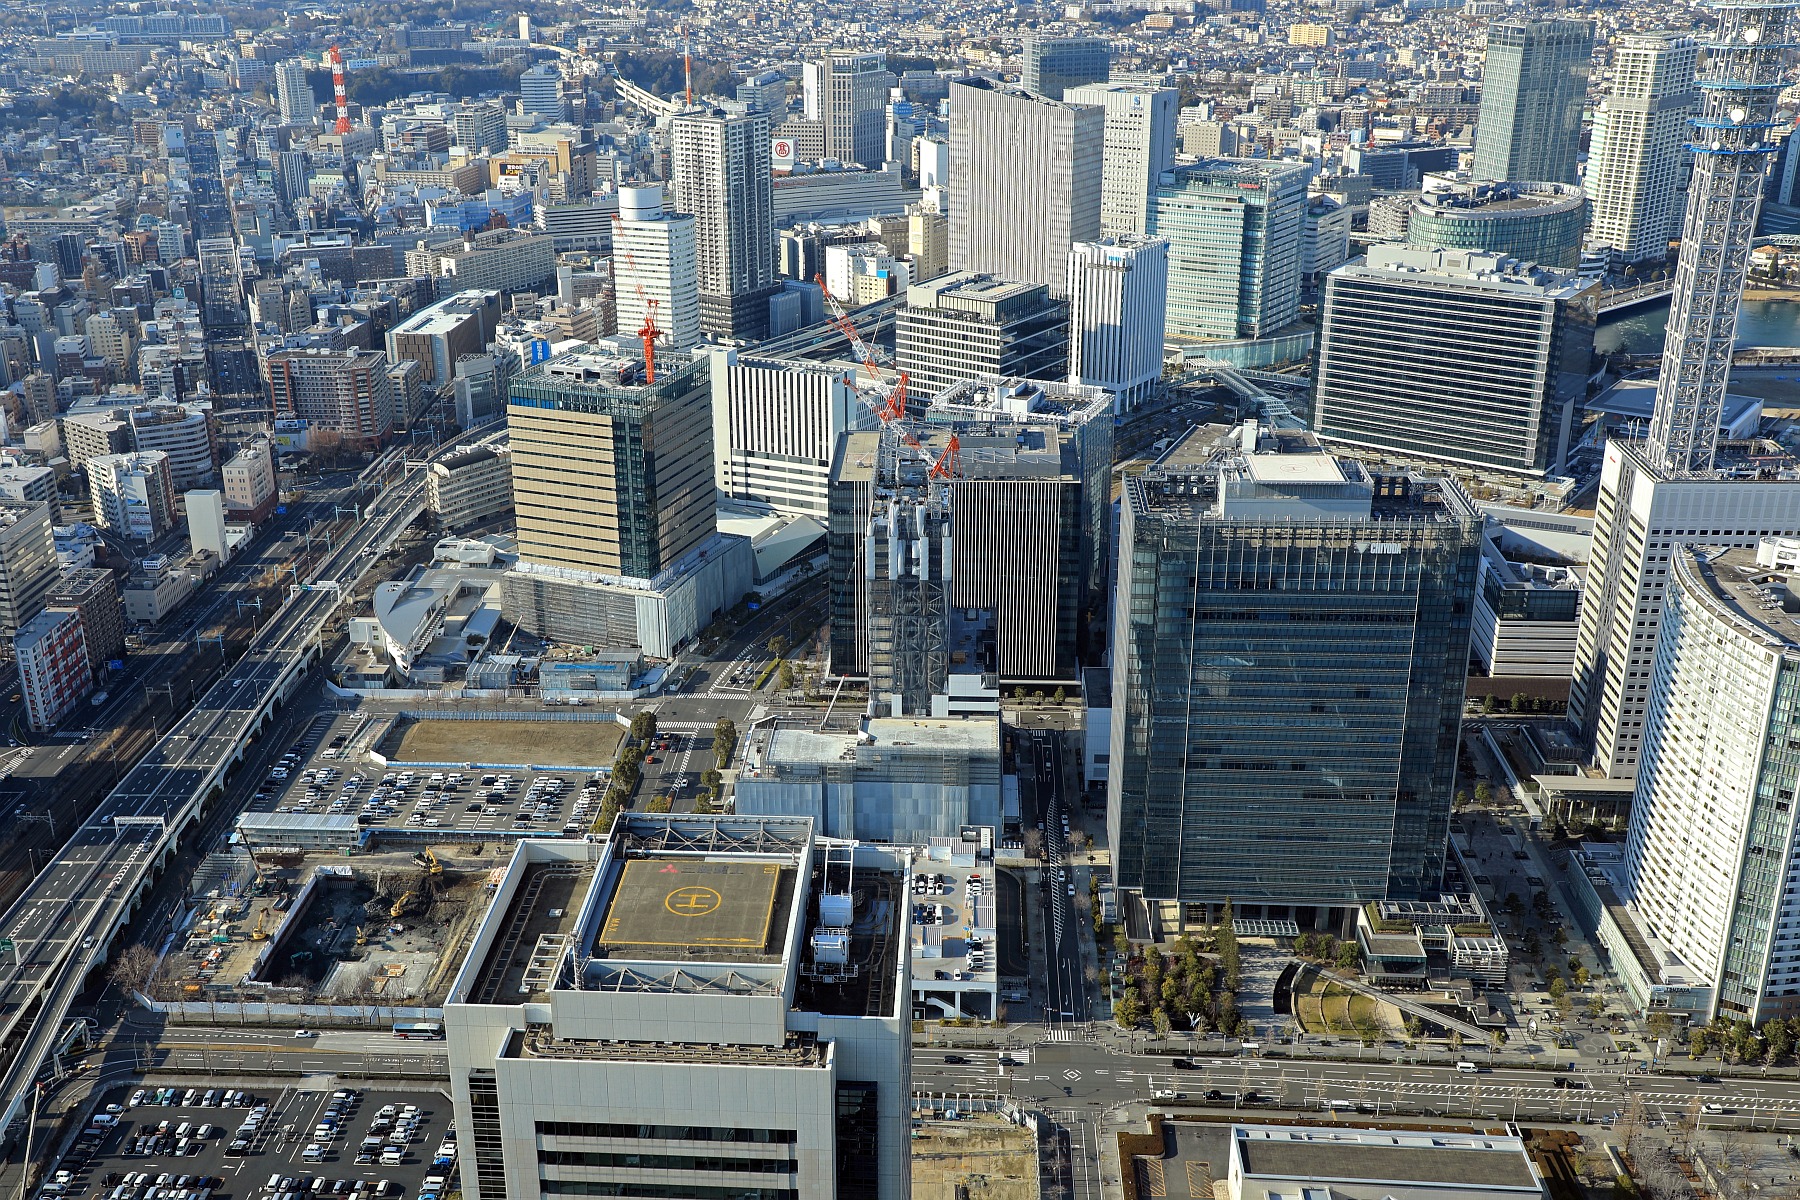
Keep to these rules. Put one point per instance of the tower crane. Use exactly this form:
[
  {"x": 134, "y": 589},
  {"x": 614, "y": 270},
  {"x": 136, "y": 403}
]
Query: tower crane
[{"x": 890, "y": 407}]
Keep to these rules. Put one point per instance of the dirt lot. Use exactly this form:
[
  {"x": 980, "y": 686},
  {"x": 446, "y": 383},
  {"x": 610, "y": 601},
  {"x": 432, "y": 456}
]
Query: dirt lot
[
  {"x": 993, "y": 1158},
  {"x": 525, "y": 743}
]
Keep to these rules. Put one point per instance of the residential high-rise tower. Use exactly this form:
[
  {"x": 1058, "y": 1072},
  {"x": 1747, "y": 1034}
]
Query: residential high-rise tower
[
  {"x": 720, "y": 173},
  {"x": 1634, "y": 164}
]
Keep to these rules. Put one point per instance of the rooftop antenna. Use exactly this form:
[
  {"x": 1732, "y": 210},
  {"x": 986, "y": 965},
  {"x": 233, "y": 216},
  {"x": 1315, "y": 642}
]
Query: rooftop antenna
[{"x": 337, "y": 91}]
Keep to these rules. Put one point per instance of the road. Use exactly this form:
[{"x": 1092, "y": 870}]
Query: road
[
  {"x": 1041, "y": 802},
  {"x": 56, "y": 932},
  {"x": 1092, "y": 1076}
]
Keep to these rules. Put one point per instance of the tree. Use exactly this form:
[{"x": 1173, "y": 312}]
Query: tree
[
  {"x": 778, "y": 646},
  {"x": 1128, "y": 1011},
  {"x": 1059, "y": 696},
  {"x": 784, "y": 675},
  {"x": 1033, "y": 841},
  {"x": 1348, "y": 956},
  {"x": 1489, "y": 704},
  {"x": 1303, "y": 945},
  {"x": 1159, "y": 1020},
  {"x": 1659, "y": 1026},
  {"x": 643, "y": 725},
  {"x": 1484, "y": 792},
  {"x": 1596, "y": 1007},
  {"x": 1581, "y": 977},
  {"x": 133, "y": 967}
]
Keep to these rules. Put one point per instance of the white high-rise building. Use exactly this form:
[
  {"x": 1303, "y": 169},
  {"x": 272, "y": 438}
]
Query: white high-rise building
[
  {"x": 655, "y": 259},
  {"x": 1634, "y": 165},
  {"x": 847, "y": 93},
  {"x": 1139, "y": 147},
  {"x": 775, "y": 426},
  {"x": 540, "y": 92},
  {"x": 1710, "y": 869},
  {"x": 719, "y": 166},
  {"x": 294, "y": 98},
  {"x": 1118, "y": 291}
]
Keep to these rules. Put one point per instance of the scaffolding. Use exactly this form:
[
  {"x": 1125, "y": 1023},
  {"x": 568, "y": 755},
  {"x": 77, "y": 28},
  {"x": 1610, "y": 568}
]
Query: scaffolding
[{"x": 1733, "y": 143}]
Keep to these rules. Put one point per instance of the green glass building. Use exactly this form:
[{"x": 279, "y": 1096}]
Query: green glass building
[{"x": 1234, "y": 227}]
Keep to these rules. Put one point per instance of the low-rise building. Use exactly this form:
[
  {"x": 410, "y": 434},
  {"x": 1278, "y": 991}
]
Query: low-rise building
[
  {"x": 133, "y": 495},
  {"x": 53, "y": 666},
  {"x": 157, "y": 587},
  {"x": 469, "y": 487},
  {"x": 249, "y": 482},
  {"x": 94, "y": 593},
  {"x": 1279, "y": 1162}
]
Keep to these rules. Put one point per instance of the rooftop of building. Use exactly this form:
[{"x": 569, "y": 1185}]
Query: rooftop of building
[
  {"x": 449, "y": 313},
  {"x": 1000, "y": 452},
  {"x": 964, "y": 290},
  {"x": 774, "y": 745},
  {"x": 1468, "y": 268},
  {"x": 607, "y": 372},
  {"x": 1759, "y": 588},
  {"x": 995, "y": 398},
  {"x": 40, "y": 627},
  {"x": 1462, "y": 197},
  {"x": 1371, "y": 1161},
  {"x": 1245, "y": 173},
  {"x": 472, "y": 456}
]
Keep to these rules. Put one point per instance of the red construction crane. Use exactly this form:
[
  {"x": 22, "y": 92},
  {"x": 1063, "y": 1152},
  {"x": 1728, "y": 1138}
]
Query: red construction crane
[
  {"x": 893, "y": 405},
  {"x": 649, "y": 333},
  {"x": 948, "y": 464},
  {"x": 336, "y": 58}
]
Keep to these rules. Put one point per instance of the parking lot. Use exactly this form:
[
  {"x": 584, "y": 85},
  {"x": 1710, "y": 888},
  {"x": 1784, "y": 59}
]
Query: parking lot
[
  {"x": 327, "y": 772},
  {"x": 268, "y": 1145}
]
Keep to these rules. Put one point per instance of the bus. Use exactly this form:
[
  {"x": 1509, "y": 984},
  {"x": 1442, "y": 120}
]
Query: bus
[{"x": 429, "y": 1030}]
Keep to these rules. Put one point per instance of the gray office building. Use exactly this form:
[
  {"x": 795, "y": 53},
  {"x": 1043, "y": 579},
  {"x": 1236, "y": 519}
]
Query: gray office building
[
  {"x": 1455, "y": 356},
  {"x": 1026, "y": 174},
  {"x": 963, "y": 326},
  {"x": 1053, "y": 65},
  {"x": 1532, "y": 93},
  {"x": 1290, "y": 642}
]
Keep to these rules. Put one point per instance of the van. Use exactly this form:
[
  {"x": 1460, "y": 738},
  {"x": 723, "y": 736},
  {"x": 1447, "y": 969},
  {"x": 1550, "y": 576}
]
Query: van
[
  {"x": 1467, "y": 1068},
  {"x": 313, "y": 1153},
  {"x": 1713, "y": 1110},
  {"x": 391, "y": 1156}
]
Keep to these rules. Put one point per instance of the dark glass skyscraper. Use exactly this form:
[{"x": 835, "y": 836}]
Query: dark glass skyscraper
[{"x": 1291, "y": 638}]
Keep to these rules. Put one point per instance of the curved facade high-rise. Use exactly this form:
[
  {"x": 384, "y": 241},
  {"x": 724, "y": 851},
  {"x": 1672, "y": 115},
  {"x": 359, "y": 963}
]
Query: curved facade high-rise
[{"x": 1532, "y": 222}]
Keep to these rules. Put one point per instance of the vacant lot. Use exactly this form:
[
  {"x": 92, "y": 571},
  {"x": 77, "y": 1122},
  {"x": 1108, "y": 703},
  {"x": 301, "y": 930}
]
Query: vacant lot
[
  {"x": 987, "y": 1154},
  {"x": 525, "y": 743}
]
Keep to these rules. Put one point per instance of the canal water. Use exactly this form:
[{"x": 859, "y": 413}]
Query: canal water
[{"x": 1640, "y": 331}]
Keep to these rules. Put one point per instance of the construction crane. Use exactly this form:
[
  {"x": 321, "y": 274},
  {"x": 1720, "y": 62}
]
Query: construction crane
[
  {"x": 336, "y": 58},
  {"x": 649, "y": 333},
  {"x": 893, "y": 405},
  {"x": 687, "y": 63}
]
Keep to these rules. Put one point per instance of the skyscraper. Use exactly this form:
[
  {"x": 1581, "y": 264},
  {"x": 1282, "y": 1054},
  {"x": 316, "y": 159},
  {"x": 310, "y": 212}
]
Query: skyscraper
[
  {"x": 1532, "y": 92},
  {"x": 1290, "y": 640},
  {"x": 1118, "y": 299},
  {"x": 1025, "y": 181},
  {"x": 1052, "y": 65},
  {"x": 1234, "y": 231},
  {"x": 1455, "y": 356},
  {"x": 720, "y": 171},
  {"x": 1669, "y": 491},
  {"x": 1139, "y": 147},
  {"x": 847, "y": 93},
  {"x": 655, "y": 259},
  {"x": 1710, "y": 867},
  {"x": 610, "y": 474},
  {"x": 294, "y": 98},
  {"x": 1634, "y": 162}
]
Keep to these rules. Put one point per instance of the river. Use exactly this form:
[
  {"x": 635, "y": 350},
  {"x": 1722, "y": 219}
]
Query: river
[{"x": 1640, "y": 331}]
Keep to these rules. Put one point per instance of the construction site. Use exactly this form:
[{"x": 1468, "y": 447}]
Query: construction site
[
  {"x": 312, "y": 930},
  {"x": 982, "y": 1156}
]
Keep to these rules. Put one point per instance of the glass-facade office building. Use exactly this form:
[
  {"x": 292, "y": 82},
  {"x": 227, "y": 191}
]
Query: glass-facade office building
[
  {"x": 1291, "y": 639},
  {"x": 1234, "y": 231}
]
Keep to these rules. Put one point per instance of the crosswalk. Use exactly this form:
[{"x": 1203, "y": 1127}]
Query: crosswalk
[{"x": 1059, "y": 1033}]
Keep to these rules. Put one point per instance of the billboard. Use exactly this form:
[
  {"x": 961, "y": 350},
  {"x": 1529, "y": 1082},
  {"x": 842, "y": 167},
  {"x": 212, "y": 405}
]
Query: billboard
[{"x": 781, "y": 154}]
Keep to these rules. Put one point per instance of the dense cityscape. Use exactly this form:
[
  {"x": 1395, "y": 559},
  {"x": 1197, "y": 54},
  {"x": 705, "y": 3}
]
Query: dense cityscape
[{"x": 1159, "y": 600}]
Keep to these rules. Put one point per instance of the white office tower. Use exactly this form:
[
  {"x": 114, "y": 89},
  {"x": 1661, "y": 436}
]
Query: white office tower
[
  {"x": 1118, "y": 291},
  {"x": 655, "y": 259},
  {"x": 1139, "y": 147},
  {"x": 847, "y": 93},
  {"x": 693, "y": 1006},
  {"x": 1634, "y": 162},
  {"x": 1025, "y": 178},
  {"x": 541, "y": 93},
  {"x": 294, "y": 98},
  {"x": 1671, "y": 490},
  {"x": 775, "y": 426},
  {"x": 720, "y": 169},
  {"x": 1710, "y": 867}
]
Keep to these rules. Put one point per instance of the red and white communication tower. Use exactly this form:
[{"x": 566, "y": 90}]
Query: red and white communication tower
[{"x": 337, "y": 90}]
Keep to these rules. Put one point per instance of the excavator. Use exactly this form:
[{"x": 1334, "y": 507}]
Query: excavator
[
  {"x": 260, "y": 933},
  {"x": 400, "y": 905}
]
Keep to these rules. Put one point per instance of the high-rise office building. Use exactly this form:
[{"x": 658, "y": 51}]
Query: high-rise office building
[
  {"x": 1290, "y": 640},
  {"x": 719, "y": 168},
  {"x": 1670, "y": 489},
  {"x": 479, "y": 127},
  {"x": 611, "y": 474},
  {"x": 1052, "y": 65},
  {"x": 1455, "y": 356},
  {"x": 1532, "y": 222},
  {"x": 1118, "y": 299},
  {"x": 346, "y": 395},
  {"x": 963, "y": 326},
  {"x": 1634, "y": 165},
  {"x": 294, "y": 98},
  {"x": 1234, "y": 231},
  {"x": 1025, "y": 181},
  {"x": 1532, "y": 92},
  {"x": 847, "y": 94},
  {"x": 775, "y": 427},
  {"x": 1711, "y": 869},
  {"x": 28, "y": 567},
  {"x": 705, "y": 1006},
  {"x": 541, "y": 94},
  {"x": 655, "y": 258},
  {"x": 1139, "y": 147}
]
